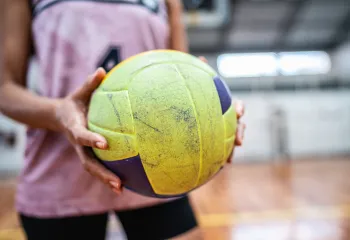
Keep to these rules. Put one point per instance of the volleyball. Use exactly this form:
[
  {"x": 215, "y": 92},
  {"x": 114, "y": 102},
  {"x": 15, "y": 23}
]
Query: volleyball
[{"x": 168, "y": 120}]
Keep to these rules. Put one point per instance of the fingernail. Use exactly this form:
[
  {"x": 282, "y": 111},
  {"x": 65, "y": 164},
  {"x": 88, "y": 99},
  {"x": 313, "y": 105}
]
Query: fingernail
[
  {"x": 101, "y": 145},
  {"x": 240, "y": 136},
  {"x": 94, "y": 76},
  {"x": 115, "y": 184},
  {"x": 240, "y": 110},
  {"x": 116, "y": 191},
  {"x": 100, "y": 70}
]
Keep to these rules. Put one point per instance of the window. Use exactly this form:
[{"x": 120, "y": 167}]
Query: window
[
  {"x": 304, "y": 63},
  {"x": 273, "y": 64},
  {"x": 247, "y": 65}
]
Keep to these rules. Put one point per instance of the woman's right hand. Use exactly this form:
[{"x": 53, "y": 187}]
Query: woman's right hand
[{"x": 71, "y": 120}]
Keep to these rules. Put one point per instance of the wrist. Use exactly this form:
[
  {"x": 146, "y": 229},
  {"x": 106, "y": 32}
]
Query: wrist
[{"x": 55, "y": 112}]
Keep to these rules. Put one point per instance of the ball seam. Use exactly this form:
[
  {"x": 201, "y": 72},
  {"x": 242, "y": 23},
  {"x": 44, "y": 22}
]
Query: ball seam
[{"x": 199, "y": 127}]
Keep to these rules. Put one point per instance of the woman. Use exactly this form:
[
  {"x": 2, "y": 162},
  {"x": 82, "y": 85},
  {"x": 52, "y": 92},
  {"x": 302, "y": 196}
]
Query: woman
[{"x": 59, "y": 195}]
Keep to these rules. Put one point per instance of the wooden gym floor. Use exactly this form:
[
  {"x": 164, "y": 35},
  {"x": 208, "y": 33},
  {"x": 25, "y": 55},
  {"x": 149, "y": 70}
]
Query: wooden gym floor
[{"x": 302, "y": 200}]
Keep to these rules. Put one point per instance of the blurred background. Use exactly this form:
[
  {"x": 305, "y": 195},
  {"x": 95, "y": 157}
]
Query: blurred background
[{"x": 289, "y": 61}]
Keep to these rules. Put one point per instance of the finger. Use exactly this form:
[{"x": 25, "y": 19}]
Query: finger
[
  {"x": 239, "y": 106},
  {"x": 116, "y": 187},
  {"x": 203, "y": 59},
  {"x": 84, "y": 137},
  {"x": 98, "y": 170},
  {"x": 93, "y": 81},
  {"x": 229, "y": 160},
  {"x": 240, "y": 134}
]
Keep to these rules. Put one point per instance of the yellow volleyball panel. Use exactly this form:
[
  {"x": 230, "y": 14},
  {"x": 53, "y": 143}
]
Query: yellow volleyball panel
[
  {"x": 209, "y": 116},
  {"x": 136, "y": 63},
  {"x": 228, "y": 147},
  {"x": 111, "y": 111},
  {"x": 167, "y": 129},
  {"x": 230, "y": 118},
  {"x": 121, "y": 145}
]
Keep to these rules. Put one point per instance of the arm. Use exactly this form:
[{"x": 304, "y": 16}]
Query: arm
[
  {"x": 15, "y": 101},
  {"x": 66, "y": 115},
  {"x": 178, "y": 37}
]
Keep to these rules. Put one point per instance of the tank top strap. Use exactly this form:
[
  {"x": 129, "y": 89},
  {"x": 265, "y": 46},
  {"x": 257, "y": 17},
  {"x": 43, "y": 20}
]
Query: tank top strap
[{"x": 38, "y": 6}]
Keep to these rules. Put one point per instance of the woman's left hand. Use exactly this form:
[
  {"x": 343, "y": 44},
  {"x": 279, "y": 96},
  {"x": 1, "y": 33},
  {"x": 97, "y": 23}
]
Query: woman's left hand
[{"x": 239, "y": 107}]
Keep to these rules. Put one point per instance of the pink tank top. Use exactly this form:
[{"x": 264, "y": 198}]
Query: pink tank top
[{"x": 72, "y": 38}]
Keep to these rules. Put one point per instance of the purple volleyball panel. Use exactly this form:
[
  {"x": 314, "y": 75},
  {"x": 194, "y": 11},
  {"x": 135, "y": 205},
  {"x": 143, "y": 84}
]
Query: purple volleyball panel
[
  {"x": 224, "y": 94},
  {"x": 132, "y": 174},
  {"x": 134, "y": 177}
]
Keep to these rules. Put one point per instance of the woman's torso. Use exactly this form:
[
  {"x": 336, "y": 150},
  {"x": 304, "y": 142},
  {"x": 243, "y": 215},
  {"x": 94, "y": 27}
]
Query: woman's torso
[{"x": 71, "y": 39}]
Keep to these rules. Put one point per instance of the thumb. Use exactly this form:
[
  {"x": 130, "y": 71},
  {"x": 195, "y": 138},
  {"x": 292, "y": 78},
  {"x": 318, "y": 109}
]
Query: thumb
[
  {"x": 84, "y": 137},
  {"x": 203, "y": 59},
  {"x": 239, "y": 106},
  {"x": 84, "y": 92}
]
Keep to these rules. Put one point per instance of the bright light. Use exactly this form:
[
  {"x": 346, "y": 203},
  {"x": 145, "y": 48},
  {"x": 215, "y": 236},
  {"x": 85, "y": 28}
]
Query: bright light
[
  {"x": 247, "y": 65},
  {"x": 304, "y": 63},
  {"x": 269, "y": 64}
]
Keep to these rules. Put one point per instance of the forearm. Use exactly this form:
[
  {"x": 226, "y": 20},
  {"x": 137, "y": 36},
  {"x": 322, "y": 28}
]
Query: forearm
[
  {"x": 27, "y": 108},
  {"x": 16, "y": 101},
  {"x": 178, "y": 37}
]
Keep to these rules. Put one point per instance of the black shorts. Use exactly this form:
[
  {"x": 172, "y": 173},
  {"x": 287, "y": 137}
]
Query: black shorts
[{"x": 158, "y": 222}]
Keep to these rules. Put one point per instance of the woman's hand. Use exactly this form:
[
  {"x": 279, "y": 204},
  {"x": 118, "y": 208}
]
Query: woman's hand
[
  {"x": 71, "y": 117},
  {"x": 239, "y": 107}
]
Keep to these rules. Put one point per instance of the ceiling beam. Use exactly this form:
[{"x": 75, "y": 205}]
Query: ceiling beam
[
  {"x": 341, "y": 34},
  {"x": 225, "y": 30},
  {"x": 288, "y": 23},
  {"x": 264, "y": 2},
  {"x": 252, "y": 49}
]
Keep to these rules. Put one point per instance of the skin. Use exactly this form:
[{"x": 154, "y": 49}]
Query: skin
[
  {"x": 66, "y": 115},
  {"x": 178, "y": 38}
]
